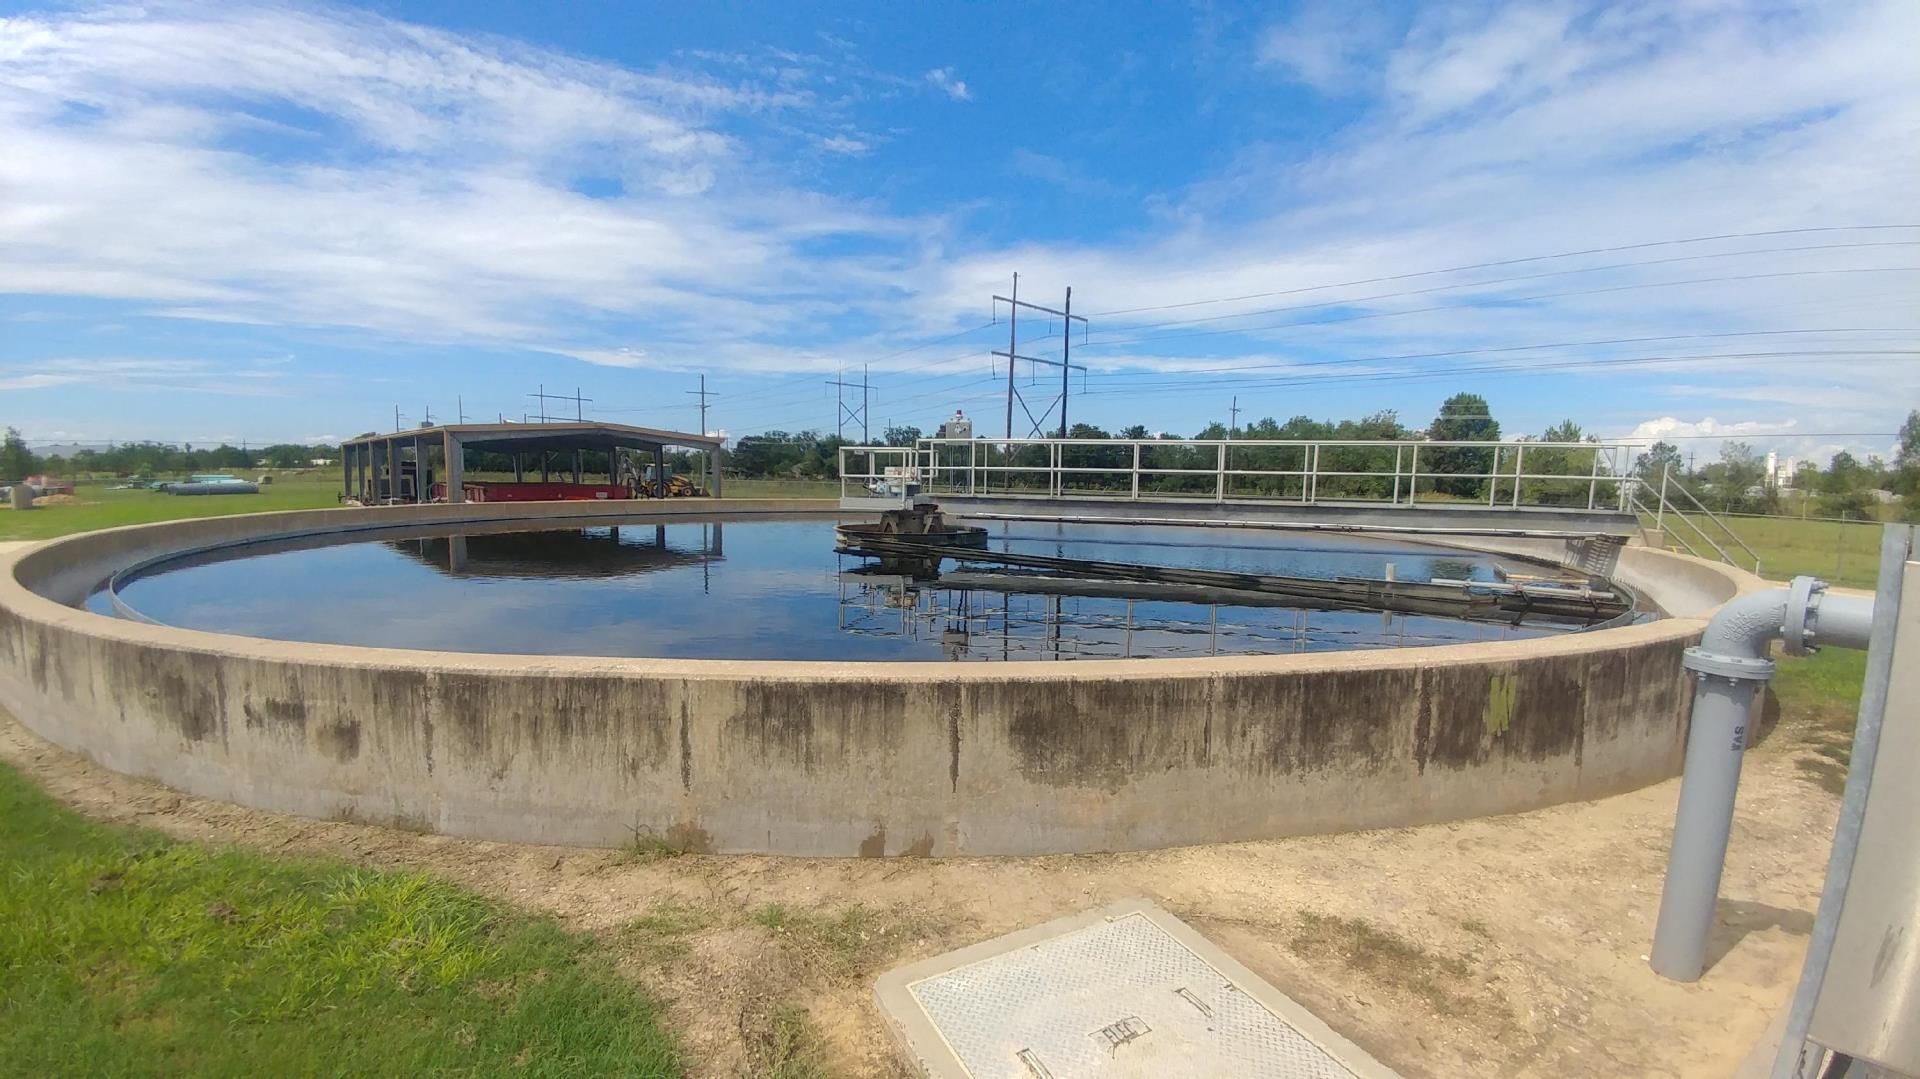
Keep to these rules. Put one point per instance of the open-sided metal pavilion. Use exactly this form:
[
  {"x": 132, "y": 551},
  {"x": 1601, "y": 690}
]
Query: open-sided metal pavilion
[{"x": 379, "y": 468}]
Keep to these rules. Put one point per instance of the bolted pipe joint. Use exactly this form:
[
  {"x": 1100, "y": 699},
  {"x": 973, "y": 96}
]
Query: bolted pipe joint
[{"x": 1732, "y": 665}]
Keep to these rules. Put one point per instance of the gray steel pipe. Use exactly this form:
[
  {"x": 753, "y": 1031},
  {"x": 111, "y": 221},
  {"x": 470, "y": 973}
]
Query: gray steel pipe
[{"x": 1732, "y": 665}]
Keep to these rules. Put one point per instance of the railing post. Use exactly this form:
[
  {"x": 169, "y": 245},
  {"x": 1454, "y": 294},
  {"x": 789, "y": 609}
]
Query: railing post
[
  {"x": 1593, "y": 481},
  {"x": 1312, "y": 493},
  {"x": 1519, "y": 469},
  {"x": 1660, "y": 511},
  {"x": 1413, "y": 476},
  {"x": 1057, "y": 447},
  {"x": 1136, "y": 472},
  {"x": 1220, "y": 473},
  {"x": 1398, "y": 451},
  {"x": 1493, "y": 478}
]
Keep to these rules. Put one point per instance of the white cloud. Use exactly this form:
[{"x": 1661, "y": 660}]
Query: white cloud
[
  {"x": 943, "y": 79},
  {"x": 274, "y": 166},
  {"x": 1325, "y": 45},
  {"x": 843, "y": 144}
]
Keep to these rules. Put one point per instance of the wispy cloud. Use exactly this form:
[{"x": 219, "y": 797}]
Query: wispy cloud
[{"x": 947, "y": 83}]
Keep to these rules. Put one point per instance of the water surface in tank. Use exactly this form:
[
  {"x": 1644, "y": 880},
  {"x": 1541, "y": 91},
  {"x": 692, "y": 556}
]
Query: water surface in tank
[{"x": 775, "y": 589}]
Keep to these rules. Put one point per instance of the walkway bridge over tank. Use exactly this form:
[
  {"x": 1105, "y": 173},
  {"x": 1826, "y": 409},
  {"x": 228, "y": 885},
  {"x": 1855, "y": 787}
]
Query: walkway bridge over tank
[{"x": 1583, "y": 493}]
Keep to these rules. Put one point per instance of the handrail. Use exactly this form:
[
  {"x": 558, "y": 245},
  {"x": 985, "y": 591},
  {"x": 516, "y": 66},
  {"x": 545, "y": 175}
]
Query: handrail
[
  {"x": 1301, "y": 473},
  {"x": 1665, "y": 509},
  {"x": 1715, "y": 518}
]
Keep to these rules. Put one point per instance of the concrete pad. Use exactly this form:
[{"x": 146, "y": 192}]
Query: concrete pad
[{"x": 1123, "y": 991}]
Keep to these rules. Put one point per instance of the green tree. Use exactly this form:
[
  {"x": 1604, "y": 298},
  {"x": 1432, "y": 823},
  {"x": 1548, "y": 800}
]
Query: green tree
[
  {"x": 1464, "y": 417},
  {"x": 1659, "y": 459},
  {"x": 16, "y": 461},
  {"x": 901, "y": 436}
]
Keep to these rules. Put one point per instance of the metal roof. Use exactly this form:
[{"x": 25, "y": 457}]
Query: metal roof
[{"x": 589, "y": 434}]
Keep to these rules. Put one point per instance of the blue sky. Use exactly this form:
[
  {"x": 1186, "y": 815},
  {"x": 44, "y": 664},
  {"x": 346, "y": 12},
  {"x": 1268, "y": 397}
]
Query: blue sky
[{"x": 227, "y": 222}]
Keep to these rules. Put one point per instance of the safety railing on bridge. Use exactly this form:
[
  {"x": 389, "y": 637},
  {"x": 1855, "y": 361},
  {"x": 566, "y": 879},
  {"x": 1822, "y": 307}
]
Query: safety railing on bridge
[
  {"x": 1565, "y": 475},
  {"x": 1662, "y": 506}
]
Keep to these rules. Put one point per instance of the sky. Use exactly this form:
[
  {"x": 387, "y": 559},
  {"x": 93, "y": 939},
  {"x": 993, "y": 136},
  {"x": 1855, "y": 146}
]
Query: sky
[{"x": 261, "y": 223}]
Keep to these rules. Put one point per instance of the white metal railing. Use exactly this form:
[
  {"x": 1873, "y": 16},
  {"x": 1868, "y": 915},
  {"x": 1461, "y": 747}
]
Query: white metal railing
[
  {"x": 1583, "y": 475},
  {"x": 1657, "y": 500}
]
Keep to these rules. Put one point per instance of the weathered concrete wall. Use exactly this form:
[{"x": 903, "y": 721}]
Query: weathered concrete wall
[{"x": 827, "y": 758}]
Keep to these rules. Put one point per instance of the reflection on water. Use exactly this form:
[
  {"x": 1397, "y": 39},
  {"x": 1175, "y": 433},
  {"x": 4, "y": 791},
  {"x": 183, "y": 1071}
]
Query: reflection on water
[{"x": 775, "y": 589}]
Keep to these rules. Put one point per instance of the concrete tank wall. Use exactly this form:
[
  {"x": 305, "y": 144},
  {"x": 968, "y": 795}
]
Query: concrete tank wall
[{"x": 827, "y": 758}]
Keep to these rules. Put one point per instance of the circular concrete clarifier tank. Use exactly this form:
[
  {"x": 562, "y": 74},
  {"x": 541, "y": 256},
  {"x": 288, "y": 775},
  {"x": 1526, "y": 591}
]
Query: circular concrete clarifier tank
[{"x": 715, "y": 675}]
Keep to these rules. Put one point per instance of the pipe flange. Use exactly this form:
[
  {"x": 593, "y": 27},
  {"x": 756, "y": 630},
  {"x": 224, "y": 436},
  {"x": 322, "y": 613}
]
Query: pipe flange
[
  {"x": 1738, "y": 668},
  {"x": 1803, "y": 615}
]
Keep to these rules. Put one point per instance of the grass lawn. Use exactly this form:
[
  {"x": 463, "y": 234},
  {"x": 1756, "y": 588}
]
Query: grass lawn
[
  {"x": 1838, "y": 553},
  {"x": 100, "y": 507},
  {"x": 124, "y": 953}
]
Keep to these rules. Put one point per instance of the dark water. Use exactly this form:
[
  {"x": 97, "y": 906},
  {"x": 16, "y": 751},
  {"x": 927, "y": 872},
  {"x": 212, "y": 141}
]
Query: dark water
[{"x": 775, "y": 589}]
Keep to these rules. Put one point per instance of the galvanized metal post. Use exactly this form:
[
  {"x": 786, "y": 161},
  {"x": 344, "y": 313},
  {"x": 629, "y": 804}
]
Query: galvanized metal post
[
  {"x": 1398, "y": 450},
  {"x": 1413, "y": 476},
  {"x": 1593, "y": 480},
  {"x": 1519, "y": 471},
  {"x": 1660, "y": 512},
  {"x": 1493, "y": 478},
  {"x": 1220, "y": 473},
  {"x": 1792, "y": 1061},
  {"x": 1136, "y": 472}
]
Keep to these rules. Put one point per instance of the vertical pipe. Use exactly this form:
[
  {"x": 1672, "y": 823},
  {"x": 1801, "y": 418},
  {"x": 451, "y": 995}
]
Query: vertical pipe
[
  {"x": 1397, "y": 451},
  {"x": 1716, "y": 743},
  {"x": 1593, "y": 480},
  {"x": 1136, "y": 475},
  {"x": 1220, "y": 473},
  {"x": 420, "y": 493},
  {"x": 346, "y": 471},
  {"x": 660, "y": 472},
  {"x": 1413, "y": 476},
  {"x": 1493, "y": 478},
  {"x": 1519, "y": 470},
  {"x": 393, "y": 470}
]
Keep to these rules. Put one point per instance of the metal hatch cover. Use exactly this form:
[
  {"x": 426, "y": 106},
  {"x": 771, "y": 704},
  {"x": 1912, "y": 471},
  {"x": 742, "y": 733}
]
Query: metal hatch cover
[{"x": 1127, "y": 991}]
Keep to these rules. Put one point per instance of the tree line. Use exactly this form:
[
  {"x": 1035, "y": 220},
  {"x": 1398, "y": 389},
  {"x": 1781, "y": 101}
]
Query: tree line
[{"x": 1736, "y": 480}]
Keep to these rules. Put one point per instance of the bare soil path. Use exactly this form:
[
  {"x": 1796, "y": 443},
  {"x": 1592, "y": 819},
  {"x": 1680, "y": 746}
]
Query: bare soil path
[{"x": 1509, "y": 945}]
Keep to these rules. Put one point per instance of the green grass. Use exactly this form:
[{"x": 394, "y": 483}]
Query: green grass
[
  {"x": 1842, "y": 554},
  {"x": 1818, "y": 697},
  {"x": 737, "y": 487},
  {"x": 124, "y": 953},
  {"x": 102, "y": 508}
]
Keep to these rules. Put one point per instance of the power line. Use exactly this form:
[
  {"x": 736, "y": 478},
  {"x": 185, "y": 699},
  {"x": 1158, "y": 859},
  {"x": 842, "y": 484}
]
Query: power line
[
  {"x": 1175, "y": 388},
  {"x": 1346, "y": 360},
  {"x": 1509, "y": 262},
  {"x": 1514, "y": 299}
]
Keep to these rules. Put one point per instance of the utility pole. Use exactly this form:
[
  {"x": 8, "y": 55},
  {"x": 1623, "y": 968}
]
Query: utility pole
[
  {"x": 1065, "y": 362},
  {"x": 460, "y": 406},
  {"x": 1233, "y": 417},
  {"x": 543, "y": 397},
  {"x": 845, "y": 412},
  {"x": 703, "y": 395},
  {"x": 396, "y": 417}
]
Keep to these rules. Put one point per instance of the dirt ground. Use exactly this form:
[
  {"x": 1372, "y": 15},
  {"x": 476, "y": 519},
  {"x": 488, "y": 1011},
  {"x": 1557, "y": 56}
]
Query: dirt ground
[{"x": 1511, "y": 945}]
